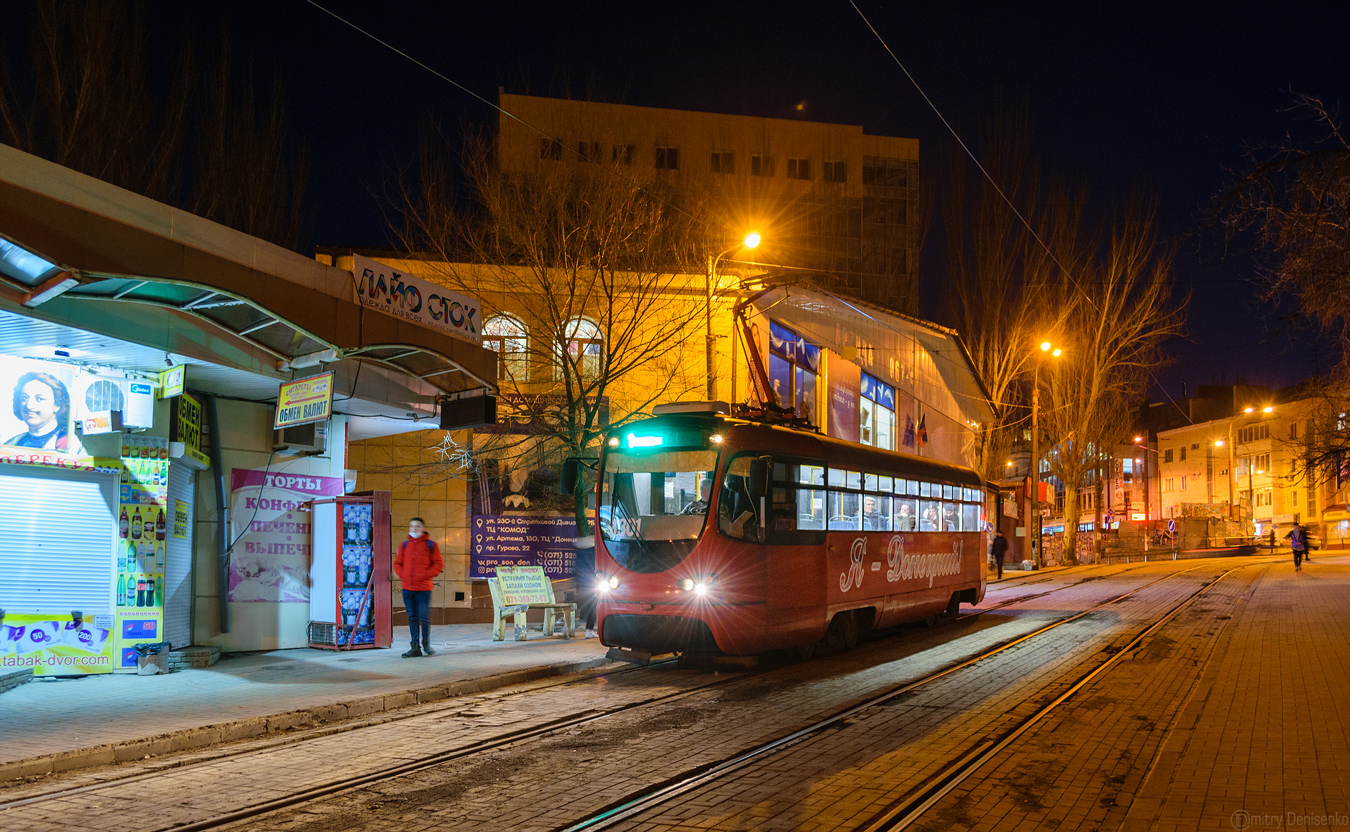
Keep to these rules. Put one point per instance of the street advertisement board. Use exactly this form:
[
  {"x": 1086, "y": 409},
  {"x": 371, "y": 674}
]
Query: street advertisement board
[
  {"x": 519, "y": 540},
  {"x": 429, "y": 304},
  {"x": 185, "y": 431},
  {"x": 142, "y": 531},
  {"x": 845, "y": 387},
  {"x": 41, "y": 413},
  {"x": 57, "y": 647},
  {"x": 270, "y": 526},
  {"x": 304, "y": 400}
]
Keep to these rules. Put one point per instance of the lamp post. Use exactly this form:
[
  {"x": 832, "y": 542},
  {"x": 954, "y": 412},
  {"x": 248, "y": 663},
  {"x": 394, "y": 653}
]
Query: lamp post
[
  {"x": 1251, "y": 463},
  {"x": 1148, "y": 512},
  {"x": 751, "y": 241},
  {"x": 1033, "y": 499}
]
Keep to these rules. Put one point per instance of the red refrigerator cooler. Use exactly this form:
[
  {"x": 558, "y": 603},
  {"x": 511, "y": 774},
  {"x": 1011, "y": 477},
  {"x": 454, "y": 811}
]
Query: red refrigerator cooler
[{"x": 350, "y": 606}]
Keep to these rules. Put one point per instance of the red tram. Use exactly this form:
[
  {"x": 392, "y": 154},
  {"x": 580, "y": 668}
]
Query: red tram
[{"x": 719, "y": 535}]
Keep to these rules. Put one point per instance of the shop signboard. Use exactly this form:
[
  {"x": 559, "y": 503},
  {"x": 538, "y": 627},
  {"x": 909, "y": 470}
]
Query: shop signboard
[
  {"x": 428, "y": 304},
  {"x": 172, "y": 381},
  {"x": 57, "y": 646},
  {"x": 185, "y": 431},
  {"x": 845, "y": 386},
  {"x": 304, "y": 400},
  {"x": 522, "y": 540},
  {"x": 270, "y": 525}
]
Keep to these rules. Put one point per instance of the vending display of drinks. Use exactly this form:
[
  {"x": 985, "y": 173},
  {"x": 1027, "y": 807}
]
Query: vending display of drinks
[{"x": 350, "y": 599}]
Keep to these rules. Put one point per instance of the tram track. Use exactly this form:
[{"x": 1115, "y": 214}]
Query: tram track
[
  {"x": 543, "y": 729},
  {"x": 922, "y": 797}
]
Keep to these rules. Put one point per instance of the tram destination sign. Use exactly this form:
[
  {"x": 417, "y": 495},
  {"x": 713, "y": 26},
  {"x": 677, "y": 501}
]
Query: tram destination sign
[{"x": 515, "y": 540}]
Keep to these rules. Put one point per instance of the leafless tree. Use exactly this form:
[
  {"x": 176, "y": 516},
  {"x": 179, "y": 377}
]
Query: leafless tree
[
  {"x": 594, "y": 266},
  {"x": 1114, "y": 301},
  {"x": 82, "y": 97}
]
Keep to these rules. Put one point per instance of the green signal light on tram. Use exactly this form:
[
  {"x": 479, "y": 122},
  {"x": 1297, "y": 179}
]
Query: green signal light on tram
[{"x": 635, "y": 441}]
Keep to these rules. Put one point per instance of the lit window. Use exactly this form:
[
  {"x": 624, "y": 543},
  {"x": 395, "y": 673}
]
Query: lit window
[
  {"x": 793, "y": 367},
  {"x": 584, "y": 347},
  {"x": 506, "y": 335},
  {"x": 877, "y": 410}
]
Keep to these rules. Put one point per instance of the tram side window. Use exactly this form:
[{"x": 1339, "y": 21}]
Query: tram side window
[
  {"x": 930, "y": 514},
  {"x": 845, "y": 511},
  {"x": 737, "y": 516},
  {"x": 951, "y": 517},
  {"x": 926, "y": 489},
  {"x": 876, "y": 513},
  {"x": 797, "y": 516},
  {"x": 970, "y": 517},
  {"x": 906, "y": 514}
]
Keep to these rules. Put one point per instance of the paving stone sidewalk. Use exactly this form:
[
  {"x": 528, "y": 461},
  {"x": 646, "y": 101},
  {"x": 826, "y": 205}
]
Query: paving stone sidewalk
[{"x": 60, "y": 724}]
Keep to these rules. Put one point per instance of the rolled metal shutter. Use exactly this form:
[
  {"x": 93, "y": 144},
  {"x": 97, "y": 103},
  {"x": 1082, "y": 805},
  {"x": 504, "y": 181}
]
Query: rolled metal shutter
[
  {"x": 57, "y": 538},
  {"x": 178, "y": 558}
]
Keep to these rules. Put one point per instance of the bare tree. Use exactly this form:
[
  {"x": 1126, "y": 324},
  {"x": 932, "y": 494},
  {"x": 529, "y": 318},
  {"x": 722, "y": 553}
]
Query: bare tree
[
  {"x": 596, "y": 270},
  {"x": 989, "y": 300},
  {"x": 1115, "y": 306},
  {"x": 83, "y": 98}
]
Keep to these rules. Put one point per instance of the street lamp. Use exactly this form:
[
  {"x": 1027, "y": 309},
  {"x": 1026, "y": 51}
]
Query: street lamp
[
  {"x": 751, "y": 241},
  {"x": 1033, "y": 499},
  {"x": 1232, "y": 472},
  {"x": 1148, "y": 514}
]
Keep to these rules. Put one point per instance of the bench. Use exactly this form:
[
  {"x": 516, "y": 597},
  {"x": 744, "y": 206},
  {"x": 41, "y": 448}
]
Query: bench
[{"x": 518, "y": 589}]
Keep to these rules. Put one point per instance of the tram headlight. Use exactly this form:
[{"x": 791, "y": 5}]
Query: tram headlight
[
  {"x": 687, "y": 585},
  {"x": 700, "y": 589},
  {"x": 698, "y": 586},
  {"x": 605, "y": 583}
]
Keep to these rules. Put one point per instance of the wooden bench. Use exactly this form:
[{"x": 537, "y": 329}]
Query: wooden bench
[{"x": 518, "y": 589}]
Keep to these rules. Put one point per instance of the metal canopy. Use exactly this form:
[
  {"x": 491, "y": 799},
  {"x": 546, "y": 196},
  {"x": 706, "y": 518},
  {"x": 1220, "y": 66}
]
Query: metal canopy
[{"x": 85, "y": 254}]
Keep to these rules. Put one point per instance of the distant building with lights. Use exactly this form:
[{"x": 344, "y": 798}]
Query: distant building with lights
[{"x": 827, "y": 197}]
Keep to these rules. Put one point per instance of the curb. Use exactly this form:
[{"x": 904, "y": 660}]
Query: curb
[{"x": 190, "y": 739}]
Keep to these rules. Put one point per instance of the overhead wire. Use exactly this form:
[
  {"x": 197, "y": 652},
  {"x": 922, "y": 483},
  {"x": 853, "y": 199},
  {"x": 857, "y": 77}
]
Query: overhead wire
[{"x": 972, "y": 156}]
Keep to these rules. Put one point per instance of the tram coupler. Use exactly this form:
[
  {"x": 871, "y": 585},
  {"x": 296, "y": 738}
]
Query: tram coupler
[{"x": 638, "y": 657}]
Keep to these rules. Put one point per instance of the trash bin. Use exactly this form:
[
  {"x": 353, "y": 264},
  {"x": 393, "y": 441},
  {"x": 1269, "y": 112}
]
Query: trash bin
[{"x": 152, "y": 659}]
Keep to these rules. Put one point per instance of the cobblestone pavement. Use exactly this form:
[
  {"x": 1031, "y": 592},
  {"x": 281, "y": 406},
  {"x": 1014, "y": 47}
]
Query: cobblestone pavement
[
  {"x": 178, "y": 796},
  {"x": 1113, "y": 755}
]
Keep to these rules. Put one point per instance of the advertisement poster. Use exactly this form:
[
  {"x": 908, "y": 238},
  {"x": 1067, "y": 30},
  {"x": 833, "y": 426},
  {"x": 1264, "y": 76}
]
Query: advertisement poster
[
  {"x": 270, "y": 528},
  {"x": 433, "y": 306},
  {"x": 845, "y": 387},
  {"x": 502, "y": 540},
  {"x": 57, "y": 646},
  {"x": 40, "y": 416},
  {"x": 142, "y": 530}
]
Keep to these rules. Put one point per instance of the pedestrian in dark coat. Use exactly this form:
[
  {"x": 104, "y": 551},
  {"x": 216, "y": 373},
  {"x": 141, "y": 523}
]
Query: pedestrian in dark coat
[
  {"x": 999, "y": 550},
  {"x": 1298, "y": 541}
]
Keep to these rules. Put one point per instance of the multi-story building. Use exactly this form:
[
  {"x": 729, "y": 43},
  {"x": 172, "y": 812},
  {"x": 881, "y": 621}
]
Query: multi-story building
[{"x": 827, "y": 197}]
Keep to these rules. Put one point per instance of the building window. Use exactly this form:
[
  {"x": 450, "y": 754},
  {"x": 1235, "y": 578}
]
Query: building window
[
  {"x": 1127, "y": 470},
  {"x": 506, "y": 335},
  {"x": 588, "y": 151},
  {"x": 877, "y": 412},
  {"x": 1167, "y": 484},
  {"x": 885, "y": 173},
  {"x": 1263, "y": 497},
  {"x": 1293, "y": 430},
  {"x": 550, "y": 149},
  {"x": 1167, "y": 455},
  {"x": 1262, "y": 463},
  {"x": 799, "y": 169},
  {"x": 1255, "y": 433},
  {"x": 623, "y": 154},
  {"x": 1183, "y": 483},
  {"x": 793, "y": 367},
  {"x": 1183, "y": 453},
  {"x": 834, "y": 172},
  {"x": 1195, "y": 446},
  {"x": 583, "y": 347},
  {"x": 667, "y": 158},
  {"x": 723, "y": 161},
  {"x": 761, "y": 165}
]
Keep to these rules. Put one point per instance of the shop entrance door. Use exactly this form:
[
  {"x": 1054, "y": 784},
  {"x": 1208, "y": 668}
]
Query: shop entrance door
[{"x": 57, "y": 541}]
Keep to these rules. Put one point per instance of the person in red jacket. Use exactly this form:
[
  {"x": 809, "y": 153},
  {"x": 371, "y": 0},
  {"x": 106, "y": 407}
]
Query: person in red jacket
[{"x": 417, "y": 563}]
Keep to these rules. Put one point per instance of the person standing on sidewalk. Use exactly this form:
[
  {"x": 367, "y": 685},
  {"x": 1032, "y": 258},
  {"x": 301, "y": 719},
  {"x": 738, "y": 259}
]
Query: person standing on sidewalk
[
  {"x": 1298, "y": 541},
  {"x": 999, "y": 549},
  {"x": 417, "y": 563}
]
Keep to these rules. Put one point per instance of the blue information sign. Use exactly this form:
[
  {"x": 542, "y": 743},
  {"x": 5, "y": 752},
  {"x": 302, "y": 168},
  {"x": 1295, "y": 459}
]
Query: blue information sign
[{"x": 512, "y": 540}]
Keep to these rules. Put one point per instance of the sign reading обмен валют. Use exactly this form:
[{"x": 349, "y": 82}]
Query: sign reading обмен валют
[{"x": 428, "y": 304}]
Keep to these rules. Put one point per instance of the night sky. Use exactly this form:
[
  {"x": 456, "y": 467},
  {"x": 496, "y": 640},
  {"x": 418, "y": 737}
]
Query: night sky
[{"x": 1162, "y": 98}]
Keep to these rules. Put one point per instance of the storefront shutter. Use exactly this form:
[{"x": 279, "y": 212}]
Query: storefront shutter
[
  {"x": 178, "y": 558},
  {"x": 57, "y": 541}
]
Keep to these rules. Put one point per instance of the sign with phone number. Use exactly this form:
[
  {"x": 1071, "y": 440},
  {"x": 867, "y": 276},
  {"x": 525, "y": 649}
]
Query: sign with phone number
[{"x": 513, "y": 540}]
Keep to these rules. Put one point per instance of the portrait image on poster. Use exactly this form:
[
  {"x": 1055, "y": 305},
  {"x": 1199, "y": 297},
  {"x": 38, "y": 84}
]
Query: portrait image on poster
[{"x": 39, "y": 408}]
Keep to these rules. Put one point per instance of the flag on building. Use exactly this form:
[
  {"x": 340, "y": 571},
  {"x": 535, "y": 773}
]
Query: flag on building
[
  {"x": 908, "y": 440},
  {"x": 921, "y": 435}
]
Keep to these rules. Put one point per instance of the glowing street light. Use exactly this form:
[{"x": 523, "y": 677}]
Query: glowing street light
[
  {"x": 751, "y": 240},
  {"x": 1034, "y": 515}
]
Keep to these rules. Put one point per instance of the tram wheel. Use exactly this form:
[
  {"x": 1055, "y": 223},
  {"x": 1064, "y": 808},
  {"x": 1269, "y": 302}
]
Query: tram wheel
[
  {"x": 804, "y": 652},
  {"x": 954, "y": 606},
  {"x": 843, "y": 632}
]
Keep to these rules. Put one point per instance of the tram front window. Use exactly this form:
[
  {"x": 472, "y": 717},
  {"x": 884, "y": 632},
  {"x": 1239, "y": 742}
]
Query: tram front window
[{"x": 654, "y": 506}]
